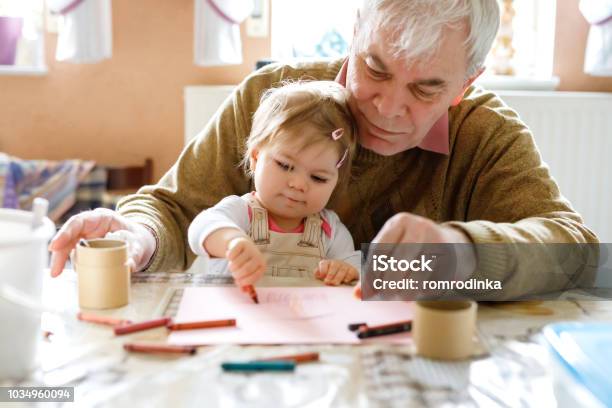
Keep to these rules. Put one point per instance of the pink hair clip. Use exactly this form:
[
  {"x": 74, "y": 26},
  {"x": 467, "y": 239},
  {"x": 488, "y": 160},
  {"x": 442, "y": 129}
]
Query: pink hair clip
[
  {"x": 337, "y": 134},
  {"x": 342, "y": 159}
]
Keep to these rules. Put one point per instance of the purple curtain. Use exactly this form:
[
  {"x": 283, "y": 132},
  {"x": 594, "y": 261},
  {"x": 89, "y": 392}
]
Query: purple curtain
[{"x": 10, "y": 31}]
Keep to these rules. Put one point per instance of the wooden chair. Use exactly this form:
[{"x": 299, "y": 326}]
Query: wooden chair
[
  {"x": 129, "y": 178},
  {"x": 121, "y": 181}
]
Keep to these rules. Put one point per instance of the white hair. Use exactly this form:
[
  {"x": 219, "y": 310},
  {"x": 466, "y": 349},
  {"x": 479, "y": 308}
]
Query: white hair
[{"x": 415, "y": 26}]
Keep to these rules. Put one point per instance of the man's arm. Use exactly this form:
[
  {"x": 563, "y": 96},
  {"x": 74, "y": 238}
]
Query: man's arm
[
  {"x": 506, "y": 203},
  {"x": 516, "y": 205}
]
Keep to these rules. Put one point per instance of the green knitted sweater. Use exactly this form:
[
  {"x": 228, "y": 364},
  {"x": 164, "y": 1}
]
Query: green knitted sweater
[{"x": 493, "y": 185}]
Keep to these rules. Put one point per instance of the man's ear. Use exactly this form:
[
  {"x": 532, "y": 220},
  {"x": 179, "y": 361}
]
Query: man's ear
[{"x": 466, "y": 85}]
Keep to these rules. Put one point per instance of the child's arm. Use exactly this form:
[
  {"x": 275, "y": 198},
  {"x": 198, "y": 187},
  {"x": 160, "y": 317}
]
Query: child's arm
[
  {"x": 343, "y": 263},
  {"x": 217, "y": 243},
  {"x": 245, "y": 260},
  {"x": 231, "y": 212},
  {"x": 220, "y": 232}
]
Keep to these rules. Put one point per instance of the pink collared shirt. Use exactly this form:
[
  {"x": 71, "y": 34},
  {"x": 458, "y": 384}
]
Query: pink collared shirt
[{"x": 436, "y": 140}]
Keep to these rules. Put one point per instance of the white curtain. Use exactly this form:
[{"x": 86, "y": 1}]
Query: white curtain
[
  {"x": 217, "y": 31},
  {"x": 598, "y": 54},
  {"x": 85, "y": 32}
]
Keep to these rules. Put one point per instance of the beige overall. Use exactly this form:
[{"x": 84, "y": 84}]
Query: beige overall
[{"x": 287, "y": 254}]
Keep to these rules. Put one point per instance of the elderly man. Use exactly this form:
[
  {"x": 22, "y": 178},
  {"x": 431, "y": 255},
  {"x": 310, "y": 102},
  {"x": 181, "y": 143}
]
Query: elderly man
[{"x": 439, "y": 160}]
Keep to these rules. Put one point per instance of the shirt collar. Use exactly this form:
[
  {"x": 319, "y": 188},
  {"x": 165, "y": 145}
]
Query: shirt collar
[{"x": 436, "y": 140}]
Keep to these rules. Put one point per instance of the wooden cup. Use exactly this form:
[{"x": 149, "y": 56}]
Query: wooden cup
[
  {"x": 104, "y": 277},
  {"x": 444, "y": 329}
]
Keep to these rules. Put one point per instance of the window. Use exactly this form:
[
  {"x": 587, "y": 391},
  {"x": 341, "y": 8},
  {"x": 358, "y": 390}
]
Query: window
[
  {"x": 527, "y": 32},
  {"x": 325, "y": 29},
  {"x": 303, "y": 30},
  {"x": 22, "y": 37}
]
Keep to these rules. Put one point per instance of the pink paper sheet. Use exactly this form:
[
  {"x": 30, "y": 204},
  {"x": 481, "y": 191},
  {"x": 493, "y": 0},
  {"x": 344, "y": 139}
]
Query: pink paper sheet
[{"x": 285, "y": 315}]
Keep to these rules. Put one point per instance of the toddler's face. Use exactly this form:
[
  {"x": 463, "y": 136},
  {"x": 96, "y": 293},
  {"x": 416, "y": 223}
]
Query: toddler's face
[{"x": 292, "y": 183}]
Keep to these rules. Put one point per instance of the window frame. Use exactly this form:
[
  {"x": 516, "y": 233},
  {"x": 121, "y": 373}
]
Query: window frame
[{"x": 37, "y": 16}]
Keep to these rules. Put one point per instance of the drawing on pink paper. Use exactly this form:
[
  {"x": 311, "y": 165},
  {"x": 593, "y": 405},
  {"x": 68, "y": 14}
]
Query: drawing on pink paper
[{"x": 285, "y": 315}]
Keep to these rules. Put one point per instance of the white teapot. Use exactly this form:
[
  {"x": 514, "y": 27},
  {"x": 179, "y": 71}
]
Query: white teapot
[{"x": 24, "y": 237}]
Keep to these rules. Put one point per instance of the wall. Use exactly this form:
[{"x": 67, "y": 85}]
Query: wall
[
  {"x": 130, "y": 107},
  {"x": 570, "y": 38},
  {"x": 123, "y": 109}
]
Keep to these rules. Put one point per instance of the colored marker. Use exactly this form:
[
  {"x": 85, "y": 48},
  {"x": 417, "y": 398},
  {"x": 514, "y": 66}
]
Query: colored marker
[
  {"x": 297, "y": 358},
  {"x": 252, "y": 293},
  {"x": 355, "y": 326},
  {"x": 136, "y": 327},
  {"x": 204, "y": 324},
  {"x": 385, "y": 329},
  {"x": 159, "y": 348},
  {"x": 280, "y": 365},
  {"x": 106, "y": 320}
]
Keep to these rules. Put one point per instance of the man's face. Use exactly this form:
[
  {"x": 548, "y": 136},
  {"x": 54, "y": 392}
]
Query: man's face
[{"x": 395, "y": 102}]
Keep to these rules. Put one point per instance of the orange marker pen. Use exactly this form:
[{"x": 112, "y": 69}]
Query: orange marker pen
[
  {"x": 204, "y": 324},
  {"x": 250, "y": 289},
  {"x": 159, "y": 348},
  {"x": 297, "y": 358},
  {"x": 136, "y": 327},
  {"x": 106, "y": 320}
]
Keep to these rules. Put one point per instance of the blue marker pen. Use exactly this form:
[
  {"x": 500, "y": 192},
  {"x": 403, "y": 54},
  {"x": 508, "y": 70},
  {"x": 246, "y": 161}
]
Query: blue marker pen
[{"x": 278, "y": 365}]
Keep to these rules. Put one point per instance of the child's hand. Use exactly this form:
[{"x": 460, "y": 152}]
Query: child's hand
[
  {"x": 333, "y": 272},
  {"x": 246, "y": 262}
]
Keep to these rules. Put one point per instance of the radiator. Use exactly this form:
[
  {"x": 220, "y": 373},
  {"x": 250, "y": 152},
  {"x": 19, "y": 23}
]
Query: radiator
[
  {"x": 573, "y": 131},
  {"x": 201, "y": 103}
]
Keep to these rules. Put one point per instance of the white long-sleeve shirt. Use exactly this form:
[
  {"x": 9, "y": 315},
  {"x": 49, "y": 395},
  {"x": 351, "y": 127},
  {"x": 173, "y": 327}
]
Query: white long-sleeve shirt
[{"x": 233, "y": 212}]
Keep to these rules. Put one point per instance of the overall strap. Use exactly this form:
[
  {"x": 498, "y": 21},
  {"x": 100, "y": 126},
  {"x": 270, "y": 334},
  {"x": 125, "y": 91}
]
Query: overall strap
[
  {"x": 259, "y": 224},
  {"x": 312, "y": 231}
]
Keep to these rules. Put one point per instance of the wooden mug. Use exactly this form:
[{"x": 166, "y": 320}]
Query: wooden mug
[{"x": 103, "y": 274}]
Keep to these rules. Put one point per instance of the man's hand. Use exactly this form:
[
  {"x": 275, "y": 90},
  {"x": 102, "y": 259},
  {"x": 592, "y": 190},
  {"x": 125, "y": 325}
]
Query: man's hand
[
  {"x": 406, "y": 228},
  {"x": 246, "y": 262},
  {"x": 100, "y": 223},
  {"x": 410, "y": 228},
  {"x": 333, "y": 272}
]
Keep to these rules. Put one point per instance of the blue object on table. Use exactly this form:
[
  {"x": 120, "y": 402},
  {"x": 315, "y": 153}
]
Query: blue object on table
[
  {"x": 278, "y": 365},
  {"x": 584, "y": 350}
]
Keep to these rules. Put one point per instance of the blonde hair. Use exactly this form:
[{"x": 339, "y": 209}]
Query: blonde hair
[
  {"x": 418, "y": 25},
  {"x": 320, "y": 104}
]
